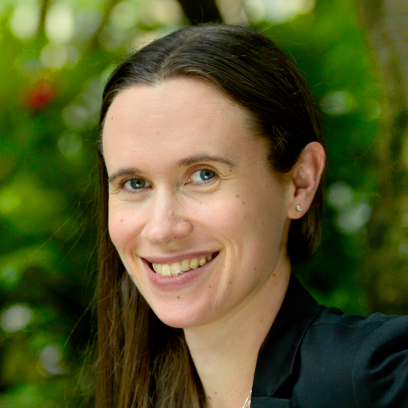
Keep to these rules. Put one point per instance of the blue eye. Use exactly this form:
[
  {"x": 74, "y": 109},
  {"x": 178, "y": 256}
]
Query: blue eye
[
  {"x": 207, "y": 174},
  {"x": 136, "y": 184},
  {"x": 203, "y": 175}
]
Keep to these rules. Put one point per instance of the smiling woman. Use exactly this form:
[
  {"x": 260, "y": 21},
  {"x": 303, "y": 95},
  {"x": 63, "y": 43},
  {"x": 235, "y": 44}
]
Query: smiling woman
[
  {"x": 191, "y": 198},
  {"x": 211, "y": 158}
]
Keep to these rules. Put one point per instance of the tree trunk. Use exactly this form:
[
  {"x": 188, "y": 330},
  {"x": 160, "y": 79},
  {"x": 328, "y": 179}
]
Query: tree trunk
[
  {"x": 386, "y": 259},
  {"x": 201, "y": 11}
]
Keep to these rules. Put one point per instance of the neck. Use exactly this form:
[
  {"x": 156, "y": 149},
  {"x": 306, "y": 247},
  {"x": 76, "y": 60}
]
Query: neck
[{"x": 225, "y": 352}]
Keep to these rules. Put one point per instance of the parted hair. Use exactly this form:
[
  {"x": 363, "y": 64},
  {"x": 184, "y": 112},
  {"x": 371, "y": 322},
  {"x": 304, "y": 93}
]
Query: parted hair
[{"x": 142, "y": 362}]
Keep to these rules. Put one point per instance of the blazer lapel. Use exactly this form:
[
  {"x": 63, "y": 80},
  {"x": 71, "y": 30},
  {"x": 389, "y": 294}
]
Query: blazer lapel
[{"x": 278, "y": 351}]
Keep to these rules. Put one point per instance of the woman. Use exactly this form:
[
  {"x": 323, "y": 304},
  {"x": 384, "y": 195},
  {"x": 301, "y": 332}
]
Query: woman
[{"x": 210, "y": 165}]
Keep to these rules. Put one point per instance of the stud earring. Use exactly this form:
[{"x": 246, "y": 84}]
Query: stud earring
[{"x": 298, "y": 208}]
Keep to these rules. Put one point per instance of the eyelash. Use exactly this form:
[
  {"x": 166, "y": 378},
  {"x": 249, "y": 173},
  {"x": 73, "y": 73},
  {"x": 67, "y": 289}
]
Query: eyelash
[
  {"x": 204, "y": 181},
  {"x": 137, "y": 191}
]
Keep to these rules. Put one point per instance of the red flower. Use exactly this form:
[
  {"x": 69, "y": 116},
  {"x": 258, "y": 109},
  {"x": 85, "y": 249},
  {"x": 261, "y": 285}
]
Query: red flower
[{"x": 40, "y": 96}]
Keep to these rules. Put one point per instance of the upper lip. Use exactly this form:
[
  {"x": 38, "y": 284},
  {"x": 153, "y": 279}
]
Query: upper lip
[{"x": 178, "y": 258}]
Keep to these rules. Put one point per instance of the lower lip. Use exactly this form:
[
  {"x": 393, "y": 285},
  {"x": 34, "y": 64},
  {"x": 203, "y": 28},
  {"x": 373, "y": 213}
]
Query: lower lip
[{"x": 177, "y": 282}]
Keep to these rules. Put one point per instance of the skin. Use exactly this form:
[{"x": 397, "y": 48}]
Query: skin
[{"x": 241, "y": 213}]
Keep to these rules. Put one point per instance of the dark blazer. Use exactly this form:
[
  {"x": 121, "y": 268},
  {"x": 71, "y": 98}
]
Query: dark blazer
[{"x": 317, "y": 357}]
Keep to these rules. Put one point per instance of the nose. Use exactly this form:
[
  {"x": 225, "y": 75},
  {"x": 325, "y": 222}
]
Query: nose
[{"x": 165, "y": 221}]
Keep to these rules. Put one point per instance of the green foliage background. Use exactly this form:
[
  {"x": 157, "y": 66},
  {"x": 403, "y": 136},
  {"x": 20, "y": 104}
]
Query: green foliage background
[{"x": 49, "y": 100}]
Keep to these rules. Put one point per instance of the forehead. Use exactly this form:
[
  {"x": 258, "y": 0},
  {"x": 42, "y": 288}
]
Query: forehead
[{"x": 178, "y": 116}]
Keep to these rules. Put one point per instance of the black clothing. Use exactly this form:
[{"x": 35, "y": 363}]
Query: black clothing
[{"x": 317, "y": 357}]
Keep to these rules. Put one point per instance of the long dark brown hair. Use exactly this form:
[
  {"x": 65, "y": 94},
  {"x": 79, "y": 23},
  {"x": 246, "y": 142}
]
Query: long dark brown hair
[{"x": 142, "y": 362}]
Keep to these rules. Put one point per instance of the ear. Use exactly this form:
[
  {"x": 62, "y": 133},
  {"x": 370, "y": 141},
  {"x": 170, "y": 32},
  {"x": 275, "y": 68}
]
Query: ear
[{"x": 306, "y": 177}]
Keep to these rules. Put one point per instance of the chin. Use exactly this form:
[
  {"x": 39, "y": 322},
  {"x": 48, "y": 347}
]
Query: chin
[
  {"x": 180, "y": 316},
  {"x": 179, "y": 322}
]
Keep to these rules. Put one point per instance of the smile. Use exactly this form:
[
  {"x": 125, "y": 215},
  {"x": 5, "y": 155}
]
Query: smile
[{"x": 178, "y": 268}]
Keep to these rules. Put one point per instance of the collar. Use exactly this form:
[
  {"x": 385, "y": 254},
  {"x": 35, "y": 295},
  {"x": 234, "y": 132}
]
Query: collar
[{"x": 278, "y": 351}]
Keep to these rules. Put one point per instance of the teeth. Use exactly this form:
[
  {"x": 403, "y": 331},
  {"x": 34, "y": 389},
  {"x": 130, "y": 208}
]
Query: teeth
[
  {"x": 178, "y": 268},
  {"x": 166, "y": 270},
  {"x": 185, "y": 265},
  {"x": 175, "y": 268},
  {"x": 194, "y": 263}
]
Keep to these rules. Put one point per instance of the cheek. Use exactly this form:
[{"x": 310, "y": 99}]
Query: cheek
[
  {"x": 122, "y": 224},
  {"x": 228, "y": 217},
  {"x": 247, "y": 210},
  {"x": 253, "y": 221}
]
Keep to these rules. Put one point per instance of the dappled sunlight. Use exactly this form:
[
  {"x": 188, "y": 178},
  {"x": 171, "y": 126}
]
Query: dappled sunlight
[{"x": 277, "y": 11}]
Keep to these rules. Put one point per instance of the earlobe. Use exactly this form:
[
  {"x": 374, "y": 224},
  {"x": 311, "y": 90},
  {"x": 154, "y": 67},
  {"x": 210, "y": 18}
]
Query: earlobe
[{"x": 306, "y": 178}]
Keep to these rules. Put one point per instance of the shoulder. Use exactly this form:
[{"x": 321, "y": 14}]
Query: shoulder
[
  {"x": 358, "y": 361},
  {"x": 382, "y": 363}
]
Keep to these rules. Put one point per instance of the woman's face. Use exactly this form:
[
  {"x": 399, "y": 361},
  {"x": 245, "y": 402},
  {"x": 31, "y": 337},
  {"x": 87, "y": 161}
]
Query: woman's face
[{"x": 189, "y": 183}]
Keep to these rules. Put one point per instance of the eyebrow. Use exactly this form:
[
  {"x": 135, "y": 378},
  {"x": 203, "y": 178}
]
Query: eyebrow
[
  {"x": 201, "y": 158},
  {"x": 129, "y": 171}
]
